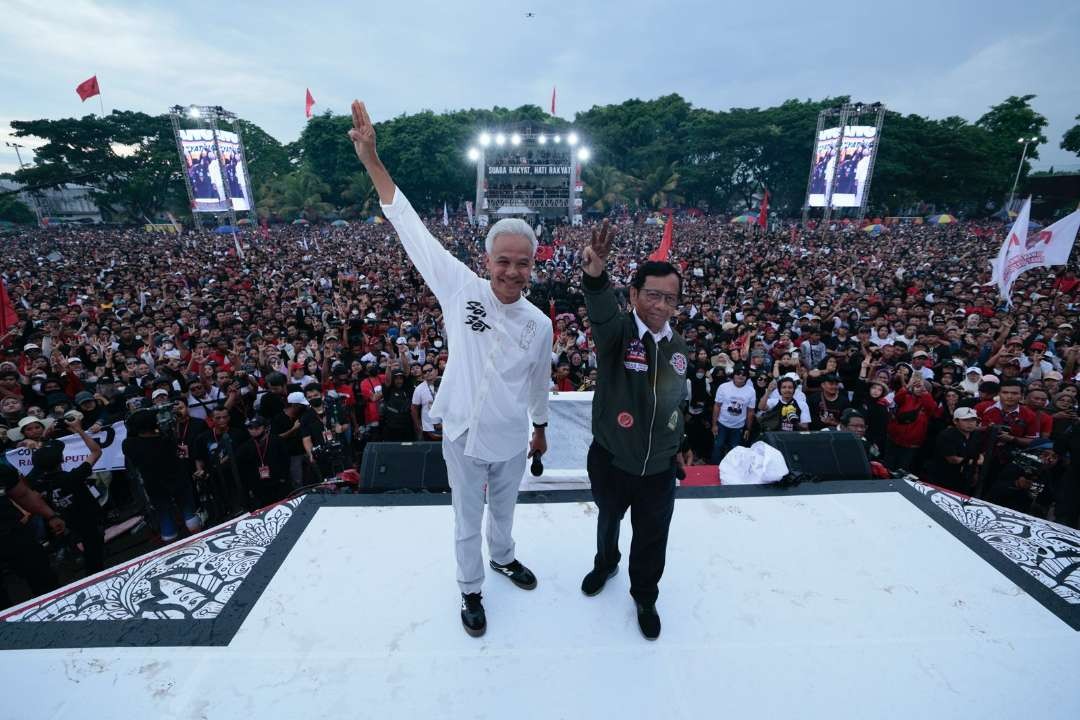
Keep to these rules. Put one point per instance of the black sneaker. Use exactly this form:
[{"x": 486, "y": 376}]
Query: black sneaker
[
  {"x": 472, "y": 614},
  {"x": 596, "y": 579},
  {"x": 648, "y": 620},
  {"x": 518, "y": 573}
]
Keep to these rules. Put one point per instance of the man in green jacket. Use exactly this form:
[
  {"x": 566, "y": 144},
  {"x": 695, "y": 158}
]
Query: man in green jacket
[{"x": 637, "y": 421}]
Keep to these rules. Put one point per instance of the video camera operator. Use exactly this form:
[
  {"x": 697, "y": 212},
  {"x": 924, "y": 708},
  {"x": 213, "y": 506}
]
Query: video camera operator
[
  {"x": 1025, "y": 477},
  {"x": 152, "y": 448},
  {"x": 215, "y": 462}
]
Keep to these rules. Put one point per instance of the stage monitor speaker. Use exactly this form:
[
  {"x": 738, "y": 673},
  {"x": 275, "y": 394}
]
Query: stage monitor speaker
[
  {"x": 826, "y": 455},
  {"x": 404, "y": 466}
]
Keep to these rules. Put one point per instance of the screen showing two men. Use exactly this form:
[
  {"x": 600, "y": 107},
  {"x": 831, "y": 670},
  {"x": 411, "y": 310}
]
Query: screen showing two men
[
  {"x": 842, "y": 161},
  {"x": 217, "y": 174}
]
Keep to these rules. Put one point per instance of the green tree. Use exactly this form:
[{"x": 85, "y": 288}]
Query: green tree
[
  {"x": 604, "y": 187},
  {"x": 299, "y": 194},
  {"x": 360, "y": 195},
  {"x": 1071, "y": 140},
  {"x": 658, "y": 188},
  {"x": 14, "y": 210}
]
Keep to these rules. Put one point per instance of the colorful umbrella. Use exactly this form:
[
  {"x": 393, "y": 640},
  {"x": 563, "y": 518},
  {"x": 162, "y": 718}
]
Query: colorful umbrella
[
  {"x": 300, "y": 221},
  {"x": 943, "y": 219},
  {"x": 243, "y": 221},
  {"x": 339, "y": 223},
  {"x": 874, "y": 229},
  {"x": 746, "y": 219}
]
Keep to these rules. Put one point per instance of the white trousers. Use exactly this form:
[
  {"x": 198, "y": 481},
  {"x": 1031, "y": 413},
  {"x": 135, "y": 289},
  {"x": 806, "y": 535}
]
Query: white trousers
[{"x": 470, "y": 479}]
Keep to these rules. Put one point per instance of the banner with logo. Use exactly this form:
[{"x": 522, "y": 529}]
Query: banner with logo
[{"x": 110, "y": 438}]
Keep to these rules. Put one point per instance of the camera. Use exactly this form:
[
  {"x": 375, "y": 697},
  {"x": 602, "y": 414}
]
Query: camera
[{"x": 72, "y": 416}]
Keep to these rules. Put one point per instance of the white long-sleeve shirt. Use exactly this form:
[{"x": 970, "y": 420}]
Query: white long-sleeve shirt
[{"x": 499, "y": 369}]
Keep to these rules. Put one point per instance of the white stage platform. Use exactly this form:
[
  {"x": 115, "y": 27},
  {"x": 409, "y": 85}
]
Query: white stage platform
[{"x": 841, "y": 600}]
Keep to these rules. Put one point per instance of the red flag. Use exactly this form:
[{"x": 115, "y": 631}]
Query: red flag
[
  {"x": 8, "y": 317},
  {"x": 88, "y": 88},
  {"x": 552, "y": 99},
  {"x": 763, "y": 213},
  {"x": 662, "y": 252},
  {"x": 308, "y": 102},
  {"x": 545, "y": 253}
]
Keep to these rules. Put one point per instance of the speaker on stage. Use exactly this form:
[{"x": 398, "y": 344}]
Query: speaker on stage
[
  {"x": 826, "y": 455},
  {"x": 404, "y": 466}
]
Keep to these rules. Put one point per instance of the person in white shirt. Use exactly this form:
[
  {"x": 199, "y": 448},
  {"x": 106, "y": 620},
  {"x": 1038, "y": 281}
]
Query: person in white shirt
[
  {"x": 496, "y": 377},
  {"x": 733, "y": 413},
  {"x": 422, "y": 398}
]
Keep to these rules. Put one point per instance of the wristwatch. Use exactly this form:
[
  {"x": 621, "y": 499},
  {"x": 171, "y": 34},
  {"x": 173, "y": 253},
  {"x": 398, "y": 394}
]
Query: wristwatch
[{"x": 539, "y": 426}]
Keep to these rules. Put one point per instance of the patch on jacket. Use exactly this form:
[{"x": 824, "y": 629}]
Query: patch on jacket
[
  {"x": 625, "y": 420},
  {"x": 674, "y": 420},
  {"x": 527, "y": 335},
  {"x": 636, "y": 358},
  {"x": 678, "y": 361}
]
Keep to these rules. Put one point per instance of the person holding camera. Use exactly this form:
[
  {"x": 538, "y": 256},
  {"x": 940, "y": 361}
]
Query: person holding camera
[
  {"x": 263, "y": 463},
  {"x": 68, "y": 492},
  {"x": 165, "y": 476}
]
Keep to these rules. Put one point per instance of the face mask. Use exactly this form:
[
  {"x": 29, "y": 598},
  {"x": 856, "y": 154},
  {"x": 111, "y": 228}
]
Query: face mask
[
  {"x": 37, "y": 387},
  {"x": 315, "y": 402},
  {"x": 700, "y": 375}
]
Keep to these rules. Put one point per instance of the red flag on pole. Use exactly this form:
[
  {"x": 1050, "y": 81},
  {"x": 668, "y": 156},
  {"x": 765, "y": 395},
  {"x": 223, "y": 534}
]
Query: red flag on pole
[
  {"x": 88, "y": 88},
  {"x": 552, "y": 99},
  {"x": 664, "y": 251},
  {"x": 308, "y": 102},
  {"x": 763, "y": 213},
  {"x": 8, "y": 317}
]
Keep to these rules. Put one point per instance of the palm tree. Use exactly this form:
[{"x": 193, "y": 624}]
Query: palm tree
[
  {"x": 604, "y": 187},
  {"x": 657, "y": 188},
  {"x": 360, "y": 193},
  {"x": 299, "y": 193}
]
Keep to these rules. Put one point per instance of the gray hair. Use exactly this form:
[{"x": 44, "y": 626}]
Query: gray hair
[{"x": 510, "y": 226}]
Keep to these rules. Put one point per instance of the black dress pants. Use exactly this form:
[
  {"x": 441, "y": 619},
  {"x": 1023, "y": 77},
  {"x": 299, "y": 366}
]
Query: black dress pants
[{"x": 651, "y": 501}]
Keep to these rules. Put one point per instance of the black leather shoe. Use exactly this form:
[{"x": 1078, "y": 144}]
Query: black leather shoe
[
  {"x": 596, "y": 579},
  {"x": 518, "y": 573},
  {"x": 472, "y": 614},
  {"x": 648, "y": 620}
]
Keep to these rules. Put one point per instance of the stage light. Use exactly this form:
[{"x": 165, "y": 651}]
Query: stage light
[
  {"x": 515, "y": 139},
  {"x": 500, "y": 139},
  {"x": 572, "y": 138},
  {"x": 193, "y": 112},
  {"x": 542, "y": 139},
  {"x": 485, "y": 139},
  {"x": 558, "y": 139},
  {"x": 474, "y": 154},
  {"x": 583, "y": 153}
]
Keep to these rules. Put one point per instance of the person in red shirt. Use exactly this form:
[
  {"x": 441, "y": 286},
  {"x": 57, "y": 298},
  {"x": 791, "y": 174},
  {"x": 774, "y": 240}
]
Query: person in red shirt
[
  {"x": 1039, "y": 401},
  {"x": 371, "y": 395},
  {"x": 1019, "y": 424},
  {"x": 1067, "y": 283},
  {"x": 914, "y": 408}
]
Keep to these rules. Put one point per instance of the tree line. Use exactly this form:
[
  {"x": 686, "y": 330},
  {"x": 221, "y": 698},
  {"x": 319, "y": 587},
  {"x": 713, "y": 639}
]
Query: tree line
[{"x": 646, "y": 154}]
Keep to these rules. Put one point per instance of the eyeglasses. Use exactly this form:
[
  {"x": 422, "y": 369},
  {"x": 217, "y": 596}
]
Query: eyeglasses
[{"x": 655, "y": 296}]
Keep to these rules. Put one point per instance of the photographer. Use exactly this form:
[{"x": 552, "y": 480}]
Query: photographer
[
  {"x": 215, "y": 462},
  {"x": 957, "y": 454},
  {"x": 263, "y": 464},
  {"x": 68, "y": 492},
  {"x": 19, "y": 549},
  {"x": 396, "y": 419},
  {"x": 152, "y": 448}
]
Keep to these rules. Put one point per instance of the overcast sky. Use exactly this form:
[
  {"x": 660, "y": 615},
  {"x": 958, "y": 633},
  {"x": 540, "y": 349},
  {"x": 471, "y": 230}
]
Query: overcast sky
[{"x": 932, "y": 58}]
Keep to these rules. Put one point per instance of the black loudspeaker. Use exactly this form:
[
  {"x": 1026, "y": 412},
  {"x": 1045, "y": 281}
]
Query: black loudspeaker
[
  {"x": 825, "y": 455},
  {"x": 404, "y": 466}
]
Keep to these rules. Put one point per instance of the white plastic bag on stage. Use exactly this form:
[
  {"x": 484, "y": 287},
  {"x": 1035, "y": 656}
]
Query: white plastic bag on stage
[{"x": 761, "y": 463}]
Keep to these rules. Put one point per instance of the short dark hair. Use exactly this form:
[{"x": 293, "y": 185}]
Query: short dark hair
[
  {"x": 1011, "y": 382},
  {"x": 654, "y": 268},
  {"x": 276, "y": 379}
]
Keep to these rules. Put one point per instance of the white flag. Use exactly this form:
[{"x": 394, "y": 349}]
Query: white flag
[
  {"x": 445, "y": 217},
  {"x": 1004, "y": 265},
  {"x": 469, "y": 210},
  {"x": 1045, "y": 248}
]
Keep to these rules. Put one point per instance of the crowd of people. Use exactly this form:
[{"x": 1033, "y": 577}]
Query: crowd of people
[{"x": 245, "y": 371}]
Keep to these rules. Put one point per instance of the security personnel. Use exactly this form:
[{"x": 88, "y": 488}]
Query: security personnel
[{"x": 637, "y": 421}]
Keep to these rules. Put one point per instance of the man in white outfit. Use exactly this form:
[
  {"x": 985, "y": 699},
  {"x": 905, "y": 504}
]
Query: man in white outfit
[{"x": 497, "y": 376}]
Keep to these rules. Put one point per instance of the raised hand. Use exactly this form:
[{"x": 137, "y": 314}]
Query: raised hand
[
  {"x": 594, "y": 256},
  {"x": 362, "y": 134}
]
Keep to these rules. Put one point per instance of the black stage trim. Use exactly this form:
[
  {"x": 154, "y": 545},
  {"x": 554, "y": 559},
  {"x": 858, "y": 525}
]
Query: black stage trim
[{"x": 219, "y": 630}]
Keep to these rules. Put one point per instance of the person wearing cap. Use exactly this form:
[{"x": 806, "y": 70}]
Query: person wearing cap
[
  {"x": 733, "y": 413},
  {"x": 395, "y": 419},
  {"x": 68, "y": 492},
  {"x": 972, "y": 379},
  {"x": 263, "y": 464},
  {"x": 827, "y": 404},
  {"x": 31, "y": 431},
  {"x": 1035, "y": 363},
  {"x": 919, "y": 359},
  {"x": 495, "y": 380},
  {"x": 958, "y": 455},
  {"x": 290, "y": 428},
  {"x": 165, "y": 476}
]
